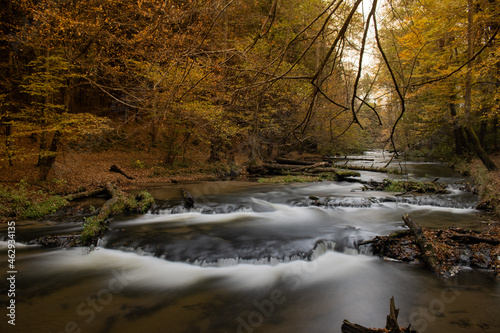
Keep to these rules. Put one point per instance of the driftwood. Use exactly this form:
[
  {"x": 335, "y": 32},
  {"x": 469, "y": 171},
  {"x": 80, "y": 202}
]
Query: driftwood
[
  {"x": 428, "y": 251},
  {"x": 116, "y": 169},
  {"x": 390, "y": 327}
]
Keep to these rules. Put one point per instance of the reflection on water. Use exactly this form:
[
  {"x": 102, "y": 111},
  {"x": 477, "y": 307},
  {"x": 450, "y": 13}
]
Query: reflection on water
[{"x": 251, "y": 258}]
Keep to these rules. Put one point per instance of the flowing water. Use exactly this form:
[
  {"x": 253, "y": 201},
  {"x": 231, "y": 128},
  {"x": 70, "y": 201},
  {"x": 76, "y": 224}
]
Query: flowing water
[{"x": 251, "y": 258}]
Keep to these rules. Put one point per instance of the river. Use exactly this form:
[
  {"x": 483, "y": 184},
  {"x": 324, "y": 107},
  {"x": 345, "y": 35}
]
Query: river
[{"x": 249, "y": 258}]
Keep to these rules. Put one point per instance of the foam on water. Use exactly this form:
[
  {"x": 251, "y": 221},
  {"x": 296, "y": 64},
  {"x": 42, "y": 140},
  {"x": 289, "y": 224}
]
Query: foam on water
[{"x": 4, "y": 245}]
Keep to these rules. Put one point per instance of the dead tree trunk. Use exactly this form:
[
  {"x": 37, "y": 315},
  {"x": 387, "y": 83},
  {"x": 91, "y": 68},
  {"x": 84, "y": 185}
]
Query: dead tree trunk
[
  {"x": 428, "y": 251},
  {"x": 391, "y": 325}
]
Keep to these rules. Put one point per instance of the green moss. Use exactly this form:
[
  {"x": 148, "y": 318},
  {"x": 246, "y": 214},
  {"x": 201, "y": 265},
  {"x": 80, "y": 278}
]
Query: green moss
[
  {"x": 347, "y": 173},
  {"x": 94, "y": 226},
  {"x": 128, "y": 203},
  {"x": 414, "y": 186},
  {"x": 25, "y": 203},
  {"x": 44, "y": 207}
]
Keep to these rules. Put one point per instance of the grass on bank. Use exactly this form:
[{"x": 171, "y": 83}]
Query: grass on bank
[{"x": 23, "y": 202}]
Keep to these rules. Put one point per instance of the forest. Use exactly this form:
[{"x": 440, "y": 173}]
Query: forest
[
  {"x": 256, "y": 78},
  {"x": 146, "y": 109}
]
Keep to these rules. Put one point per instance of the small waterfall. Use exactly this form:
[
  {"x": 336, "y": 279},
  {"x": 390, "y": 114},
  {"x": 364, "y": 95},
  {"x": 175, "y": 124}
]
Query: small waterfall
[{"x": 321, "y": 248}]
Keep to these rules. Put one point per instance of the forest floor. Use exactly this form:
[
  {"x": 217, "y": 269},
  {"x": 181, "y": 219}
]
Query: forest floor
[
  {"x": 79, "y": 171},
  {"x": 74, "y": 171}
]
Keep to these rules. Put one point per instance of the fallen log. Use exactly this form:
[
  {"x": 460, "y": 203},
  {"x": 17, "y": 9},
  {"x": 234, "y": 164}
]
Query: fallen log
[
  {"x": 116, "y": 169},
  {"x": 347, "y": 158},
  {"x": 391, "y": 326},
  {"x": 371, "y": 168},
  {"x": 280, "y": 167},
  {"x": 474, "y": 239},
  {"x": 85, "y": 194},
  {"x": 120, "y": 202},
  {"x": 340, "y": 173},
  {"x": 283, "y": 167},
  {"x": 293, "y": 162},
  {"x": 428, "y": 251}
]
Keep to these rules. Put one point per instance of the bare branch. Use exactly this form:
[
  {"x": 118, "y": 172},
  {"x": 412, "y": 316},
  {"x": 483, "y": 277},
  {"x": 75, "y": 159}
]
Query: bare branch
[
  {"x": 396, "y": 85},
  {"x": 360, "y": 66}
]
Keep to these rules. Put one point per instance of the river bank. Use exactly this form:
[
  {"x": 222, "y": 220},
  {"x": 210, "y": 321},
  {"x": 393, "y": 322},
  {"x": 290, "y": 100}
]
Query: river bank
[{"x": 87, "y": 172}]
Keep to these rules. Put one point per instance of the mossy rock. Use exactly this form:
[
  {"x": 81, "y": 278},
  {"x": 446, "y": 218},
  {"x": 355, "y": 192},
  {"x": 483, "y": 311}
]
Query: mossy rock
[{"x": 414, "y": 186}]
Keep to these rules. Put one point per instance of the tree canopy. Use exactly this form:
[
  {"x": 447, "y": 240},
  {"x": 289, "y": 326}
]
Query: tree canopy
[{"x": 260, "y": 77}]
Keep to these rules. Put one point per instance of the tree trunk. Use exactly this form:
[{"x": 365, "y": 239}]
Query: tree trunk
[
  {"x": 48, "y": 157},
  {"x": 460, "y": 140},
  {"x": 490, "y": 165},
  {"x": 483, "y": 129},
  {"x": 215, "y": 150},
  {"x": 494, "y": 129},
  {"x": 8, "y": 143}
]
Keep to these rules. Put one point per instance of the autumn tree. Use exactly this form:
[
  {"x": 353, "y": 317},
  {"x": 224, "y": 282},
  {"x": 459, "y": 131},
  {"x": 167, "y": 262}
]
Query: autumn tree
[
  {"x": 436, "y": 50},
  {"x": 44, "y": 39}
]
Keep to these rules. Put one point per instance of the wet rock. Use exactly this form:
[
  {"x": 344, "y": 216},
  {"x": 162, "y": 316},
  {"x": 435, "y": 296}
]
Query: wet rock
[{"x": 57, "y": 241}]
